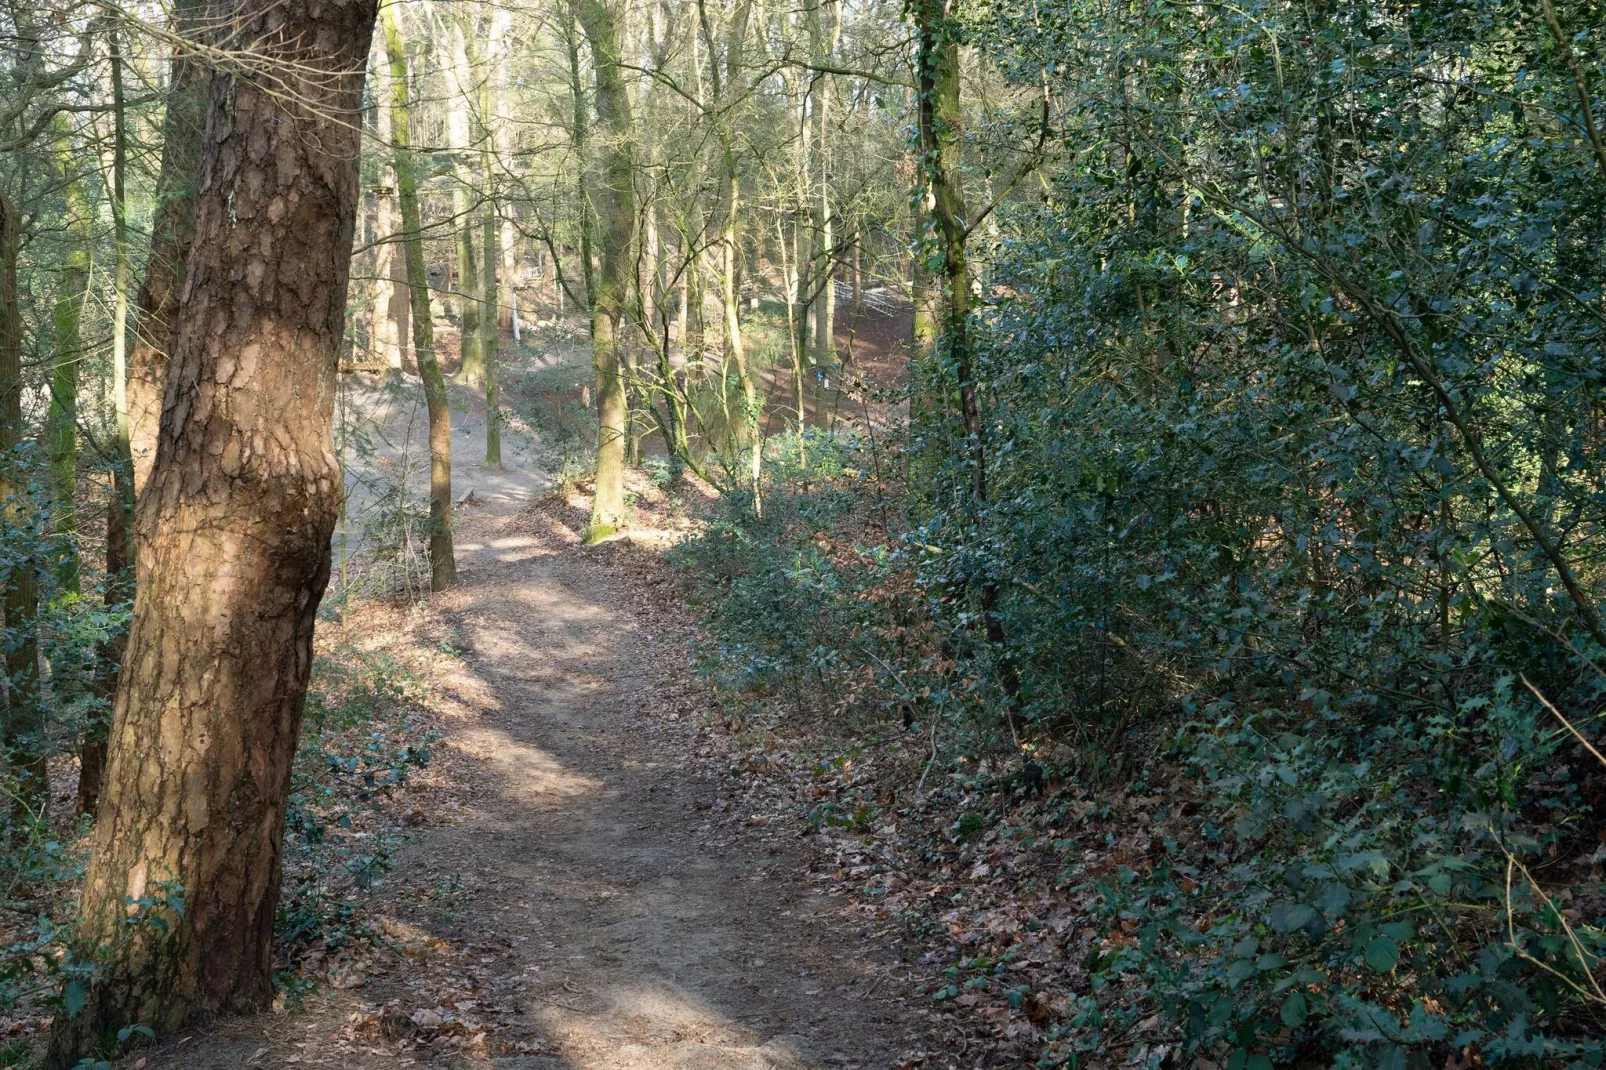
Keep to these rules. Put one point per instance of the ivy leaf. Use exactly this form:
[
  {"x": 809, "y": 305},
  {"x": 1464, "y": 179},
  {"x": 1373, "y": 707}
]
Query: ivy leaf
[
  {"x": 73, "y": 998},
  {"x": 1291, "y": 917},
  {"x": 1382, "y": 954},
  {"x": 1295, "y": 1010}
]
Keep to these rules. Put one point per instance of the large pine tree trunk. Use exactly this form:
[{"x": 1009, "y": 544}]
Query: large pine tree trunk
[{"x": 235, "y": 526}]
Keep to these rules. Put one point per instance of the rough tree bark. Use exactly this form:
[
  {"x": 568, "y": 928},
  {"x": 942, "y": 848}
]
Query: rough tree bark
[
  {"x": 235, "y": 524},
  {"x": 608, "y": 310},
  {"x": 442, "y": 561}
]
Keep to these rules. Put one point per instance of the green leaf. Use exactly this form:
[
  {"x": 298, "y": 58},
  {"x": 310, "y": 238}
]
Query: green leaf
[
  {"x": 1258, "y": 1062},
  {"x": 1295, "y": 1010},
  {"x": 1400, "y": 930},
  {"x": 1382, "y": 954},
  {"x": 73, "y": 998},
  {"x": 1298, "y": 917}
]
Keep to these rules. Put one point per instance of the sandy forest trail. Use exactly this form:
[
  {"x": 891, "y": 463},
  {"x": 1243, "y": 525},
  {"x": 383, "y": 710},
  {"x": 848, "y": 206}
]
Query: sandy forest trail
[{"x": 583, "y": 905}]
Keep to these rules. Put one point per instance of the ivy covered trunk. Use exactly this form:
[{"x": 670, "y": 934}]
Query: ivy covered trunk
[
  {"x": 235, "y": 527},
  {"x": 946, "y": 292}
]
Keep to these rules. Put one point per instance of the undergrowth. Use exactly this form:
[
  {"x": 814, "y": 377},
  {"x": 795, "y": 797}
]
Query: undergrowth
[
  {"x": 361, "y": 739},
  {"x": 1281, "y": 876},
  {"x": 362, "y": 736}
]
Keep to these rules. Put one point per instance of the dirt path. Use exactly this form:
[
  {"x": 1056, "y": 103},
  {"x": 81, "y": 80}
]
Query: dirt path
[{"x": 583, "y": 906}]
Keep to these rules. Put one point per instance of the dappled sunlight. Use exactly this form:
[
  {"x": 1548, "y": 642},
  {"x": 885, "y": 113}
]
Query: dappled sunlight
[
  {"x": 661, "y": 1026},
  {"x": 528, "y": 774}
]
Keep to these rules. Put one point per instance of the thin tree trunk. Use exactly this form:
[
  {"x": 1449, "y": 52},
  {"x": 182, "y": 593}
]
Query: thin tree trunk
[
  {"x": 442, "y": 563},
  {"x": 580, "y": 138},
  {"x": 123, "y": 464},
  {"x": 491, "y": 244},
  {"x": 172, "y": 230},
  {"x": 617, "y": 220},
  {"x": 943, "y": 199},
  {"x": 489, "y": 346},
  {"x": 23, "y": 726},
  {"x": 61, "y": 422},
  {"x": 858, "y": 279},
  {"x": 236, "y": 522},
  {"x": 803, "y": 228},
  {"x": 794, "y": 337},
  {"x": 143, "y": 379},
  {"x": 385, "y": 328},
  {"x": 824, "y": 44},
  {"x": 459, "y": 130}
]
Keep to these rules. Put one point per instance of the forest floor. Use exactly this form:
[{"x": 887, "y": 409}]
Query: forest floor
[
  {"x": 573, "y": 889},
  {"x": 573, "y": 893},
  {"x": 598, "y": 868}
]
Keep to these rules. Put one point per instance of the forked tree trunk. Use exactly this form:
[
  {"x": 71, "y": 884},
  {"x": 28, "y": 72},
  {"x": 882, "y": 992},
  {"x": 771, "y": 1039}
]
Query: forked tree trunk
[
  {"x": 617, "y": 219},
  {"x": 442, "y": 559},
  {"x": 235, "y": 526}
]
